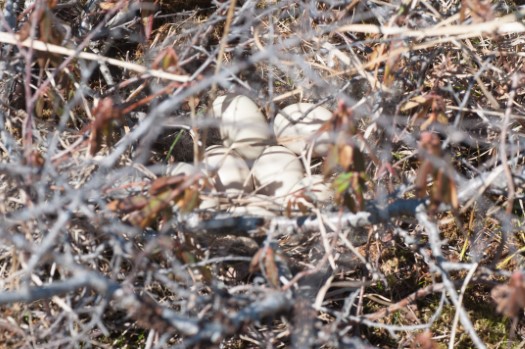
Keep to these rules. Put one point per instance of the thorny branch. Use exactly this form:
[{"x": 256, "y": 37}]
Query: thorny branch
[
  {"x": 75, "y": 272},
  {"x": 374, "y": 213}
]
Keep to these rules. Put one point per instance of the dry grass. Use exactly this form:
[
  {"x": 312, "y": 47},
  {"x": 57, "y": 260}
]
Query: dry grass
[{"x": 98, "y": 248}]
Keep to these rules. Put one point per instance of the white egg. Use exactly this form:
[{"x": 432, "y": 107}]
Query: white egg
[
  {"x": 256, "y": 205},
  {"x": 180, "y": 168},
  {"x": 228, "y": 170},
  {"x": 243, "y": 126},
  {"x": 315, "y": 187},
  {"x": 251, "y": 210},
  {"x": 295, "y": 130},
  {"x": 263, "y": 201},
  {"x": 208, "y": 202},
  {"x": 276, "y": 171}
]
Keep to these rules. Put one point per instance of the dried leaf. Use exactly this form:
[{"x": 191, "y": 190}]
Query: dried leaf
[
  {"x": 288, "y": 209},
  {"x": 108, "y": 4},
  {"x": 351, "y": 158},
  {"x": 151, "y": 211},
  {"x": 101, "y": 129},
  {"x": 269, "y": 262},
  {"x": 429, "y": 145},
  {"x": 331, "y": 162},
  {"x": 425, "y": 170},
  {"x": 272, "y": 272},
  {"x": 510, "y": 299},
  {"x": 349, "y": 189},
  {"x": 443, "y": 188},
  {"x": 254, "y": 263},
  {"x": 480, "y": 11},
  {"x": 35, "y": 159},
  {"x": 375, "y": 56},
  {"x": 167, "y": 59},
  {"x": 189, "y": 201},
  {"x": 392, "y": 65},
  {"x": 424, "y": 341},
  {"x": 129, "y": 204},
  {"x": 346, "y": 156},
  {"x": 147, "y": 12},
  {"x": 48, "y": 28},
  {"x": 413, "y": 103},
  {"x": 165, "y": 183}
]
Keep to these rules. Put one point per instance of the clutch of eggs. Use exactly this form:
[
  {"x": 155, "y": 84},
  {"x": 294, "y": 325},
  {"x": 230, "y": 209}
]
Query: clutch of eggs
[{"x": 276, "y": 171}]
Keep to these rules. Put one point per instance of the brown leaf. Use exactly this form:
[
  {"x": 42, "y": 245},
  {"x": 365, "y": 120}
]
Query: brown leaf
[
  {"x": 414, "y": 102},
  {"x": 164, "y": 183},
  {"x": 164, "y": 193},
  {"x": 443, "y": 188},
  {"x": 429, "y": 145},
  {"x": 151, "y": 211},
  {"x": 374, "y": 58},
  {"x": 392, "y": 65},
  {"x": 430, "y": 107},
  {"x": 480, "y": 11},
  {"x": 109, "y": 4},
  {"x": 129, "y": 204},
  {"x": 288, "y": 209},
  {"x": 101, "y": 129},
  {"x": 346, "y": 156},
  {"x": 35, "y": 159},
  {"x": 424, "y": 341},
  {"x": 331, "y": 161},
  {"x": 425, "y": 170},
  {"x": 190, "y": 200},
  {"x": 510, "y": 299},
  {"x": 168, "y": 60},
  {"x": 351, "y": 158},
  {"x": 147, "y": 12},
  {"x": 254, "y": 263},
  {"x": 272, "y": 272},
  {"x": 48, "y": 28},
  {"x": 269, "y": 262}
]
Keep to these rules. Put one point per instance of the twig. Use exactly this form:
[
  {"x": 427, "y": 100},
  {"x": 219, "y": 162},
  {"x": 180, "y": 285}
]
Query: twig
[
  {"x": 223, "y": 43},
  {"x": 503, "y": 25},
  {"x": 435, "y": 245},
  {"x": 423, "y": 292},
  {"x": 375, "y": 214},
  {"x": 460, "y": 301},
  {"x": 38, "y": 45},
  {"x": 503, "y": 143},
  {"x": 80, "y": 280}
]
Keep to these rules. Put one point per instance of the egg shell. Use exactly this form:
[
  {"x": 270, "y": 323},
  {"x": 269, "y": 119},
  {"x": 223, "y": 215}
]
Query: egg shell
[
  {"x": 183, "y": 168},
  {"x": 251, "y": 210},
  {"x": 209, "y": 203},
  {"x": 256, "y": 205},
  {"x": 243, "y": 126},
  {"x": 316, "y": 186},
  {"x": 276, "y": 171},
  {"x": 178, "y": 168},
  {"x": 232, "y": 172},
  {"x": 295, "y": 136},
  {"x": 263, "y": 201}
]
